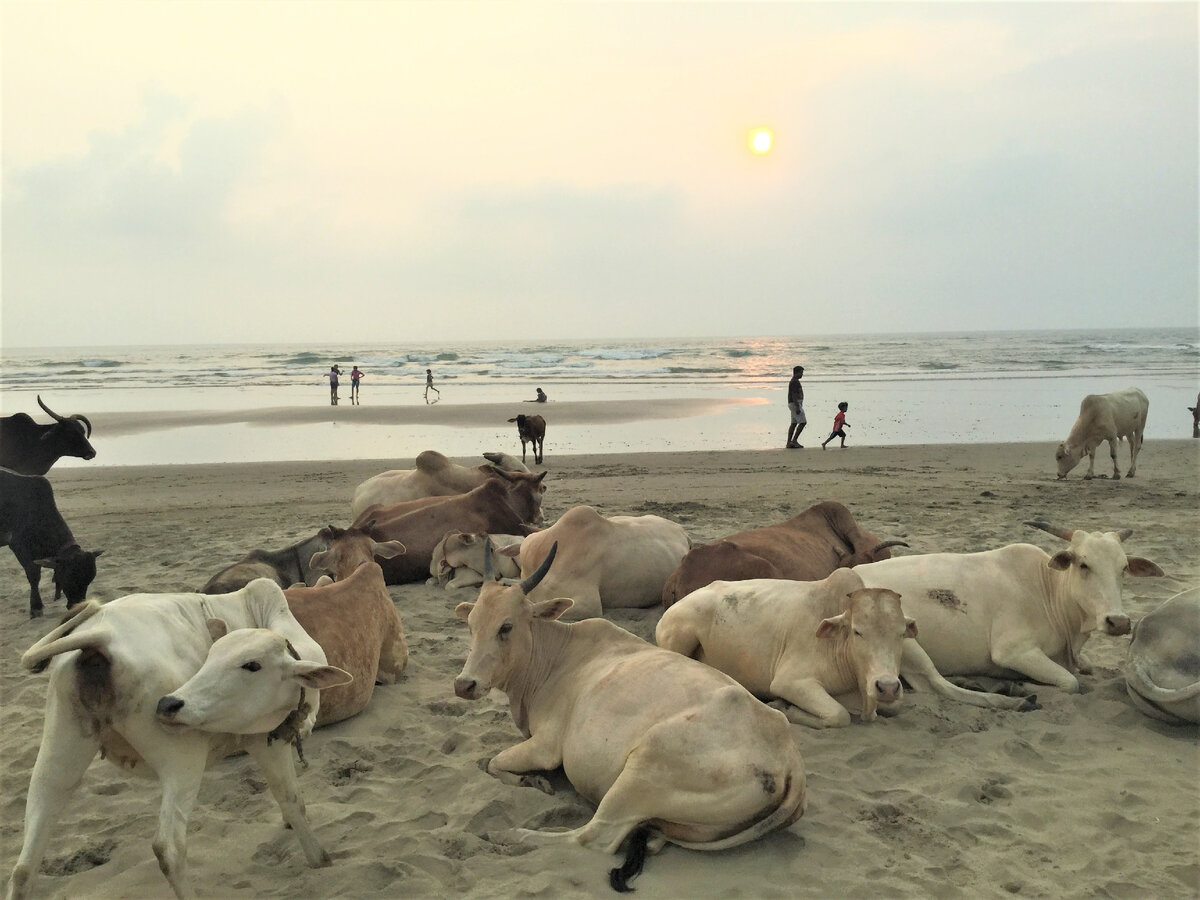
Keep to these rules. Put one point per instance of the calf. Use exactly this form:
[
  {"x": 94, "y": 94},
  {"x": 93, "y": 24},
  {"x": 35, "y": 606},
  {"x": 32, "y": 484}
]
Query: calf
[
  {"x": 32, "y": 527},
  {"x": 110, "y": 667},
  {"x": 460, "y": 560},
  {"x": 31, "y": 449},
  {"x": 285, "y": 567},
  {"x": 531, "y": 430},
  {"x": 1105, "y": 417}
]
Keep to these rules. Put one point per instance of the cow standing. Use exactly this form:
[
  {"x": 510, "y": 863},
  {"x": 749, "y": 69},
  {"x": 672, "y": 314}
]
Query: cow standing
[
  {"x": 32, "y": 527},
  {"x": 31, "y": 449},
  {"x": 531, "y": 430},
  {"x": 1105, "y": 417}
]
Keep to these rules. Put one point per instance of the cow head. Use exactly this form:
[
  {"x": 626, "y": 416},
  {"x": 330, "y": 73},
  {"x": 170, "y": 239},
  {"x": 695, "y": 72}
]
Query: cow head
[
  {"x": 1090, "y": 580},
  {"x": 525, "y": 492},
  {"x": 1067, "y": 458},
  {"x": 69, "y": 437},
  {"x": 870, "y": 633},
  {"x": 74, "y": 570},
  {"x": 502, "y": 622},
  {"x": 349, "y": 548},
  {"x": 249, "y": 683}
]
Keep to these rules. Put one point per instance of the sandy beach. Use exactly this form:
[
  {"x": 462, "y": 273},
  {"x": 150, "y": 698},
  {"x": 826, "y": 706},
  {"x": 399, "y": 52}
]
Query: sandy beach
[{"x": 1085, "y": 797}]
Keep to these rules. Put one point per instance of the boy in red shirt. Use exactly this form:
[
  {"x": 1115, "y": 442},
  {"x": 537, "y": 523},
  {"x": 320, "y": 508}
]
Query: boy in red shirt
[{"x": 839, "y": 422}]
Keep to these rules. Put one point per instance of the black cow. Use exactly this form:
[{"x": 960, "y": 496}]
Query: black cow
[
  {"x": 531, "y": 429},
  {"x": 32, "y": 527},
  {"x": 31, "y": 449}
]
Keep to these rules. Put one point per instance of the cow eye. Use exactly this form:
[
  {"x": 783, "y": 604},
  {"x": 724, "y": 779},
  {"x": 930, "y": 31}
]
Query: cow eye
[
  {"x": 1083, "y": 567},
  {"x": 252, "y": 666},
  {"x": 857, "y": 633},
  {"x": 505, "y": 629}
]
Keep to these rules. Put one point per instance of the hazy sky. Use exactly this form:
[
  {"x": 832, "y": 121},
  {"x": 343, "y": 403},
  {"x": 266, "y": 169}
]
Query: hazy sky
[{"x": 406, "y": 171}]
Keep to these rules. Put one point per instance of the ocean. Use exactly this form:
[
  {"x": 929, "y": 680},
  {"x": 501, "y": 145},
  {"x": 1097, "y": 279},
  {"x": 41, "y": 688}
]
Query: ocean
[{"x": 902, "y": 389}]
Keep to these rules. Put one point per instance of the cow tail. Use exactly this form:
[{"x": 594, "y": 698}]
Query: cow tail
[
  {"x": 635, "y": 859},
  {"x": 790, "y": 808},
  {"x": 61, "y": 639}
]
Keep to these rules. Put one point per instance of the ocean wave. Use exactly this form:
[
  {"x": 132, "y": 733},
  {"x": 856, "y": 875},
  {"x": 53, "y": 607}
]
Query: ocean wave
[
  {"x": 617, "y": 353},
  {"x": 938, "y": 366},
  {"x": 86, "y": 363},
  {"x": 700, "y": 370},
  {"x": 739, "y": 353}
]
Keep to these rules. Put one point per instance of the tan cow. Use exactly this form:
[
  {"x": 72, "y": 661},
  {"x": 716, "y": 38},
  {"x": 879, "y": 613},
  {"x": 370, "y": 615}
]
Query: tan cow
[
  {"x": 1105, "y": 417},
  {"x": 435, "y": 475},
  {"x": 669, "y": 749},
  {"x": 807, "y": 643},
  {"x": 618, "y": 561},
  {"x": 459, "y": 560}
]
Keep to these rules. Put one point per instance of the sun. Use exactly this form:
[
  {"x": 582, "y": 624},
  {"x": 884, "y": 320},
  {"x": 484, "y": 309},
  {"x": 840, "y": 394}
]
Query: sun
[{"x": 761, "y": 140}]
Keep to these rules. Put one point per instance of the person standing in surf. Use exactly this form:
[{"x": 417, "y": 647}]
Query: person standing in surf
[
  {"x": 332, "y": 375},
  {"x": 356, "y": 375},
  {"x": 795, "y": 402}
]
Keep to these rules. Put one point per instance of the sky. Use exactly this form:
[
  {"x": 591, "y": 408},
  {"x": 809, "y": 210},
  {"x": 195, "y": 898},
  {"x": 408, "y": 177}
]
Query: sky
[{"x": 210, "y": 172}]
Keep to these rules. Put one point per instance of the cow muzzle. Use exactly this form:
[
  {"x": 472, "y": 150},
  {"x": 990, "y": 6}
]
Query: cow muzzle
[
  {"x": 888, "y": 690},
  {"x": 467, "y": 688},
  {"x": 167, "y": 710},
  {"x": 1116, "y": 625}
]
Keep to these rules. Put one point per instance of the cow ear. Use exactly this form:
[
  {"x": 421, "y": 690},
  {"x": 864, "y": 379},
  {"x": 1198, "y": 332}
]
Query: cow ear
[
  {"x": 831, "y": 627},
  {"x": 910, "y": 628},
  {"x": 1136, "y": 565},
  {"x": 96, "y": 553},
  {"x": 322, "y": 559},
  {"x": 538, "y": 480},
  {"x": 1061, "y": 560},
  {"x": 389, "y": 549},
  {"x": 318, "y": 677},
  {"x": 217, "y": 629},
  {"x": 463, "y": 610},
  {"x": 512, "y": 551},
  {"x": 552, "y": 609}
]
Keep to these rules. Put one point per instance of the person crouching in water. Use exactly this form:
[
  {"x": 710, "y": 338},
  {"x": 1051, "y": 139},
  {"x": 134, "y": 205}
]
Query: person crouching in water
[{"x": 839, "y": 423}]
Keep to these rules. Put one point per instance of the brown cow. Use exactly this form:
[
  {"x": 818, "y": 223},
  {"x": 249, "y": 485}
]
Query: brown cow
[
  {"x": 517, "y": 484},
  {"x": 434, "y": 475},
  {"x": 531, "y": 429},
  {"x": 807, "y": 547},
  {"x": 354, "y": 620},
  {"x": 494, "y": 507}
]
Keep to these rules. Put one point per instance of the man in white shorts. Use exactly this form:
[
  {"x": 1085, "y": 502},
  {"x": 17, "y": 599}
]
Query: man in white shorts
[{"x": 795, "y": 402}]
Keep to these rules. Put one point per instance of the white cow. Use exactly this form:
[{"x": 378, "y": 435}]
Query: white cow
[
  {"x": 1105, "y": 417},
  {"x": 435, "y": 475},
  {"x": 110, "y": 666},
  {"x": 618, "y": 561},
  {"x": 669, "y": 749},
  {"x": 1016, "y": 610},
  {"x": 807, "y": 643},
  {"x": 459, "y": 559}
]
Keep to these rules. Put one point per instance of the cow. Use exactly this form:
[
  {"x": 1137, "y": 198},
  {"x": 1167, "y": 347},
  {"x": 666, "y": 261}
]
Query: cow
[
  {"x": 1105, "y": 417},
  {"x": 458, "y": 560},
  {"x": 353, "y": 619},
  {"x": 670, "y": 750},
  {"x": 495, "y": 506},
  {"x": 435, "y": 475},
  {"x": 32, "y": 527},
  {"x": 807, "y": 643},
  {"x": 1195, "y": 411},
  {"x": 31, "y": 449},
  {"x": 618, "y": 561},
  {"x": 807, "y": 547},
  {"x": 285, "y": 567},
  {"x": 1162, "y": 674},
  {"x": 1016, "y": 610},
  {"x": 110, "y": 668},
  {"x": 531, "y": 430}
]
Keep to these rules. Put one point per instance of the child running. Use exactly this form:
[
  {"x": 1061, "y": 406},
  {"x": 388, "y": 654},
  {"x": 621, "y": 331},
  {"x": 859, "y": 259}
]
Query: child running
[{"x": 839, "y": 422}]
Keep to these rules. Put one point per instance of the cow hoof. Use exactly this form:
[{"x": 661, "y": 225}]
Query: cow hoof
[
  {"x": 35, "y": 614},
  {"x": 1030, "y": 704},
  {"x": 539, "y": 782},
  {"x": 1116, "y": 476}
]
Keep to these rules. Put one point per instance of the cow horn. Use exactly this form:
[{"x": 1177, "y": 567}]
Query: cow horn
[
  {"x": 885, "y": 545},
  {"x": 51, "y": 412},
  {"x": 84, "y": 420},
  {"x": 1065, "y": 533},
  {"x": 533, "y": 580},
  {"x": 1124, "y": 534},
  {"x": 487, "y": 559}
]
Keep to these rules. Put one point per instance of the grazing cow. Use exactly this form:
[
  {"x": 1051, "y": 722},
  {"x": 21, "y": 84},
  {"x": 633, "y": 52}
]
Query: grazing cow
[
  {"x": 532, "y": 430},
  {"x": 459, "y": 559},
  {"x": 1015, "y": 611},
  {"x": 353, "y": 619},
  {"x": 32, "y": 527},
  {"x": 285, "y": 567},
  {"x": 1195, "y": 411},
  {"x": 435, "y": 475},
  {"x": 806, "y": 547},
  {"x": 31, "y": 449},
  {"x": 495, "y": 506},
  {"x": 669, "y": 749},
  {"x": 1162, "y": 675},
  {"x": 1105, "y": 417},
  {"x": 807, "y": 642},
  {"x": 110, "y": 667},
  {"x": 619, "y": 561}
]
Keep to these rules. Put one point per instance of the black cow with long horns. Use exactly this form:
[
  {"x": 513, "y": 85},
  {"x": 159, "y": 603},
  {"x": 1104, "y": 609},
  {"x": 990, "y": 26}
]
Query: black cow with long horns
[{"x": 31, "y": 449}]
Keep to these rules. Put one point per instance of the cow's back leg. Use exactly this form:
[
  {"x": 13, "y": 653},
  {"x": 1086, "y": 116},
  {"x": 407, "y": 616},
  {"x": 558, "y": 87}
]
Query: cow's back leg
[
  {"x": 1135, "y": 447},
  {"x": 1113, "y": 441},
  {"x": 33, "y": 573},
  {"x": 179, "y": 762},
  {"x": 275, "y": 760},
  {"x": 808, "y": 702},
  {"x": 393, "y": 656},
  {"x": 63, "y": 757},
  {"x": 1091, "y": 472}
]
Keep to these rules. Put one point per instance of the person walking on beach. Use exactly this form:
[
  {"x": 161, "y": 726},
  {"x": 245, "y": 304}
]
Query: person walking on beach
[
  {"x": 795, "y": 402},
  {"x": 356, "y": 375},
  {"x": 839, "y": 422},
  {"x": 429, "y": 386},
  {"x": 332, "y": 375}
]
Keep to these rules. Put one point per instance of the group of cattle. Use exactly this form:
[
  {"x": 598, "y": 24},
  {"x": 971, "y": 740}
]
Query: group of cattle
[{"x": 812, "y": 614}]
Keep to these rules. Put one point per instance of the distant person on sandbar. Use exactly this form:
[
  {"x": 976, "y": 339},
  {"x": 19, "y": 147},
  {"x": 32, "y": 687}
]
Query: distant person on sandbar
[
  {"x": 429, "y": 386},
  {"x": 795, "y": 402},
  {"x": 332, "y": 375},
  {"x": 356, "y": 375},
  {"x": 839, "y": 422},
  {"x": 540, "y": 398}
]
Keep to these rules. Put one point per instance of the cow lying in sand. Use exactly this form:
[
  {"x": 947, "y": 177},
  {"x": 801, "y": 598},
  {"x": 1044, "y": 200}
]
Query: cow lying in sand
[
  {"x": 807, "y": 643},
  {"x": 111, "y": 665},
  {"x": 1162, "y": 674},
  {"x": 435, "y": 475},
  {"x": 1105, "y": 417},
  {"x": 458, "y": 559},
  {"x": 669, "y": 749}
]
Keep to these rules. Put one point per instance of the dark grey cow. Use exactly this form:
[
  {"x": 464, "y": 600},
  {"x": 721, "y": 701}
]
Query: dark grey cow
[
  {"x": 31, "y": 449},
  {"x": 285, "y": 567}
]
